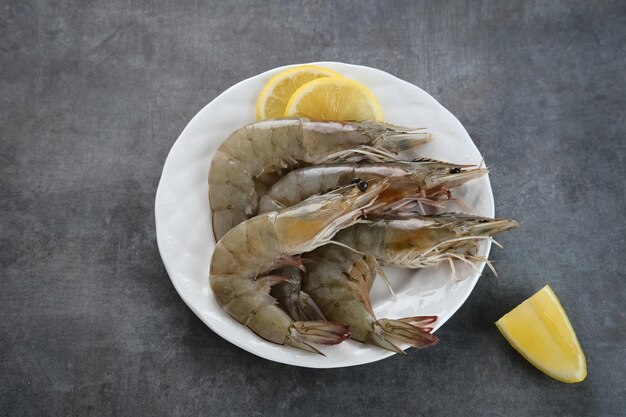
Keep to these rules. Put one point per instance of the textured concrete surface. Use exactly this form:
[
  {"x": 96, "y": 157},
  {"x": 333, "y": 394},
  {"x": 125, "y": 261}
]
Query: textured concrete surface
[{"x": 94, "y": 95}]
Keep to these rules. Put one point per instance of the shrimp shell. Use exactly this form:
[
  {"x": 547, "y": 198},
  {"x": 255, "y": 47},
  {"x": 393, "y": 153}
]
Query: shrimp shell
[
  {"x": 407, "y": 242},
  {"x": 248, "y": 160},
  {"x": 261, "y": 244},
  {"x": 339, "y": 280},
  {"x": 423, "y": 241},
  {"x": 428, "y": 180}
]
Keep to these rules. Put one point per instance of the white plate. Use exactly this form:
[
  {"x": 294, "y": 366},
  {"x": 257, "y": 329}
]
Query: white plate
[{"x": 185, "y": 238}]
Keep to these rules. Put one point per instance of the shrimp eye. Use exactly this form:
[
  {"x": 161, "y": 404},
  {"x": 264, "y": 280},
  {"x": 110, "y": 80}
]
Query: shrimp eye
[
  {"x": 362, "y": 185},
  {"x": 455, "y": 170},
  {"x": 355, "y": 181}
]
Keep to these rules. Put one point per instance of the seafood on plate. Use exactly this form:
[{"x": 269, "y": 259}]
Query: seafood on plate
[
  {"x": 411, "y": 184},
  {"x": 423, "y": 181},
  {"x": 424, "y": 241},
  {"x": 305, "y": 212},
  {"x": 256, "y": 155},
  {"x": 418, "y": 241},
  {"x": 247, "y": 252},
  {"x": 339, "y": 281}
]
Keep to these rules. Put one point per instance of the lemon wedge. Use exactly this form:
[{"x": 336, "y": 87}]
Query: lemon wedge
[
  {"x": 334, "y": 98},
  {"x": 541, "y": 332},
  {"x": 275, "y": 95}
]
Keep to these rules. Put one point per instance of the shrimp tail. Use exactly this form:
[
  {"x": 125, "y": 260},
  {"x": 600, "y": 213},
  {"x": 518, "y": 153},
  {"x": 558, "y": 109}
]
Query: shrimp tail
[
  {"x": 411, "y": 330},
  {"x": 304, "y": 333},
  {"x": 420, "y": 321}
]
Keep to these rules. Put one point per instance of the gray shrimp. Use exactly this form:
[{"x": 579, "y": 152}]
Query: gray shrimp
[
  {"x": 424, "y": 181},
  {"x": 339, "y": 280},
  {"x": 412, "y": 183},
  {"x": 407, "y": 242},
  {"x": 247, "y": 252},
  {"x": 424, "y": 241},
  {"x": 253, "y": 156}
]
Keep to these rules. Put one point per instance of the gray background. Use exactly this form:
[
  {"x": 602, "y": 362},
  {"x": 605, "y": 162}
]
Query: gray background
[{"x": 94, "y": 94}]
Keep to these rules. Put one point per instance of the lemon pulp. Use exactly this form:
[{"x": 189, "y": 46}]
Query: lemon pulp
[
  {"x": 541, "y": 332},
  {"x": 276, "y": 93},
  {"x": 334, "y": 98}
]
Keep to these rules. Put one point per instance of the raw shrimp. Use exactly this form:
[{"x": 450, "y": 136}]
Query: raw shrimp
[
  {"x": 411, "y": 183},
  {"x": 407, "y": 242},
  {"x": 270, "y": 240},
  {"x": 253, "y": 156},
  {"x": 427, "y": 179},
  {"x": 424, "y": 241},
  {"x": 339, "y": 280}
]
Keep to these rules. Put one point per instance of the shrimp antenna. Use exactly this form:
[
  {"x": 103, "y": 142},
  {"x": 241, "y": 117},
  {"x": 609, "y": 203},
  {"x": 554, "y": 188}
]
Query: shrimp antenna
[{"x": 343, "y": 245}]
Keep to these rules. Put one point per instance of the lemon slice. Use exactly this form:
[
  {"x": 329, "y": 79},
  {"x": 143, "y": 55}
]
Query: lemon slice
[
  {"x": 334, "y": 98},
  {"x": 278, "y": 90},
  {"x": 541, "y": 332}
]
